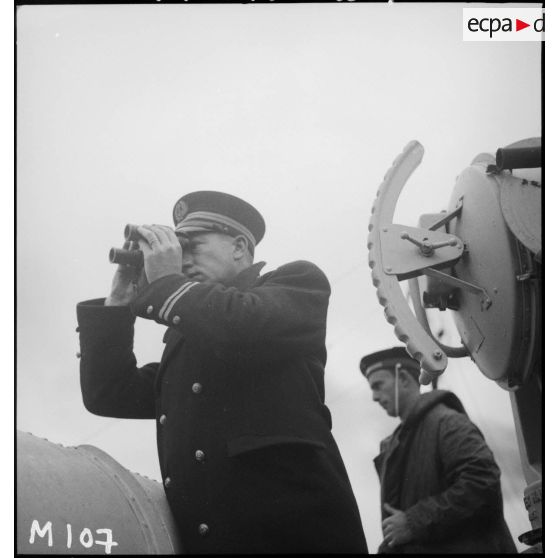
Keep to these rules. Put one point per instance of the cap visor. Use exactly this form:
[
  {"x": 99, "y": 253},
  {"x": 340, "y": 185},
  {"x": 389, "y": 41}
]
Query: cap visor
[{"x": 191, "y": 229}]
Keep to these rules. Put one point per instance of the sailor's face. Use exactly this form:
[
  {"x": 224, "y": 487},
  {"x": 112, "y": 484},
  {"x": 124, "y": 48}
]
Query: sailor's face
[
  {"x": 382, "y": 383},
  {"x": 208, "y": 257}
]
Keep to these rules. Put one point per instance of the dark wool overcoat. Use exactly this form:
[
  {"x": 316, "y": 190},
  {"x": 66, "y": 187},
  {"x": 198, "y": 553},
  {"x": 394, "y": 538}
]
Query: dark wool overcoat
[
  {"x": 437, "y": 468},
  {"x": 247, "y": 458}
]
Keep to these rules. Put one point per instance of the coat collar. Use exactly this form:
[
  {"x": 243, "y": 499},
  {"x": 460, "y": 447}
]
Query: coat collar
[
  {"x": 427, "y": 401},
  {"x": 247, "y": 277}
]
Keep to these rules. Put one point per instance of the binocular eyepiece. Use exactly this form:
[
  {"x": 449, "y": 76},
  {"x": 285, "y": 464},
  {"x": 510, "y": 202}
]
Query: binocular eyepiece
[
  {"x": 129, "y": 255},
  {"x": 131, "y": 233}
]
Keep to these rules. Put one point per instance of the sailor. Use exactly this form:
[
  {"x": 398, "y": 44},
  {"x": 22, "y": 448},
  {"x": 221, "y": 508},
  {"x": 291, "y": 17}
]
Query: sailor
[{"x": 440, "y": 485}]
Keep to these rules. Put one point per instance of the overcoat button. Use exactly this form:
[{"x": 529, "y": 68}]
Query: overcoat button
[
  {"x": 167, "y": 482},
  {"x": 203, "y": 529},
  {"x": 176, "y": 320},
  {"x": 78, "y": 354},
  {"x": 200, "y": 456},
  {"x": 162, "y": 419},
  {"x": 149, "y": 309},
  {"x": 197, "y": 387}
]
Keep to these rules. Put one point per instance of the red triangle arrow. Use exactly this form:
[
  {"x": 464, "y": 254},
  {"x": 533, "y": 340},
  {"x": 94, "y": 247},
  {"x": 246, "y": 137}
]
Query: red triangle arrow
[{"x": 519, "y": 25}]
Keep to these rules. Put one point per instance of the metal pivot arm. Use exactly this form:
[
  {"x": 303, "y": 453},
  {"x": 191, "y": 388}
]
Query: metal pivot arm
[
  {"x": 419, "y": 344},
  {"x": 447, "y": 217}
]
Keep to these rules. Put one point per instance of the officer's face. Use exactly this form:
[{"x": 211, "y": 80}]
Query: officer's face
[
  {"x": 208, "y": 257},
  {"x": 382, "y": 383}
]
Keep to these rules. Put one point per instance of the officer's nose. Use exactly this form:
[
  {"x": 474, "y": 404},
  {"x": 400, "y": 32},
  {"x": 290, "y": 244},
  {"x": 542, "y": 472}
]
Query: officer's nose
[{"x": 375, "y": 396}]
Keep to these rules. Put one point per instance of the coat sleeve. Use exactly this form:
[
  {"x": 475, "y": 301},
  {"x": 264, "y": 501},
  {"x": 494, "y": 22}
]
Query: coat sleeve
[
  {"x": 284, "y": 314},
  {"x": 111, "y": 383},
  {"x": 472, "y": 478}
]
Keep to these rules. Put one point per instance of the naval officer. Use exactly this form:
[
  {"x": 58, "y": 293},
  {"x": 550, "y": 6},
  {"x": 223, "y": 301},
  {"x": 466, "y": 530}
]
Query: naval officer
[{"x": 248, "y": 461}]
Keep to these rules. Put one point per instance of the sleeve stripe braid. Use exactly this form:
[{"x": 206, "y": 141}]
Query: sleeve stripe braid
[
  {"x": 169, "y": 303},
  {"x": 180, "y": 295}
]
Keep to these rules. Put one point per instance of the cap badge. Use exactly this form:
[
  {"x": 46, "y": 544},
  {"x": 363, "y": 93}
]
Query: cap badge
[{"x": 180, "y": 211}]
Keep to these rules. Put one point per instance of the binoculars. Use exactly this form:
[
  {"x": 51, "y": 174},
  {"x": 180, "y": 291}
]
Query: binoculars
[{"x": 130, "y": 254}]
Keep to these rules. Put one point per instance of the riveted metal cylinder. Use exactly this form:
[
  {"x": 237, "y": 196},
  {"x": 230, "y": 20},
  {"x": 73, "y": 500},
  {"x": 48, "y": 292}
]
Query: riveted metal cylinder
[{"x": 78, "y": 500}]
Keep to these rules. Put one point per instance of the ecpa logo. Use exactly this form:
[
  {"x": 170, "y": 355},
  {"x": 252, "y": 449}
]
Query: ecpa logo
[{"x": 503, "y": 24}]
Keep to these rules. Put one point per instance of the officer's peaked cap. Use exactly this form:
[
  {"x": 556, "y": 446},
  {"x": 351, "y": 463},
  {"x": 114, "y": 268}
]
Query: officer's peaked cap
[
  {"x": 210, "y": 211},
  {"x": 387, "y": 359}
]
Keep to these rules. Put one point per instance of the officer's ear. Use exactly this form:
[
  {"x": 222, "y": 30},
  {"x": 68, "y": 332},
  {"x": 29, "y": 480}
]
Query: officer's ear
[{"x": 240, "y": 247}]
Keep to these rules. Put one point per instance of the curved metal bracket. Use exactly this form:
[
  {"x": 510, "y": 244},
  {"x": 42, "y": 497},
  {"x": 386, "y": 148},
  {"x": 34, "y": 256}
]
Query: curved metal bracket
[{"x": 419, "y": 344}]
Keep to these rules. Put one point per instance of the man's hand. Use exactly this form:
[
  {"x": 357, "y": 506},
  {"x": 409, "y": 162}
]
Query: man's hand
[
  {"x": 395, "y": 528},
  {"x": 162, "y": 253}
]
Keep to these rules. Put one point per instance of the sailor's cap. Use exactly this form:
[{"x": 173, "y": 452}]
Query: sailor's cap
[
  {"x": 387, "y": 359},
  {"x": 210, "y": 211}
]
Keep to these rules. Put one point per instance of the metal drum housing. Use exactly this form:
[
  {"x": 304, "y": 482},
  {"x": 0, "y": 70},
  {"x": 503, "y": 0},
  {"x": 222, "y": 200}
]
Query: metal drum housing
[{"x": 79, "y": 500}]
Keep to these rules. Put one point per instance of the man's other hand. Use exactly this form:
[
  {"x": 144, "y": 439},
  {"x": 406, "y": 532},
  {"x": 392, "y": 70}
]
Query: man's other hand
[{"x": 395, "y": 528}]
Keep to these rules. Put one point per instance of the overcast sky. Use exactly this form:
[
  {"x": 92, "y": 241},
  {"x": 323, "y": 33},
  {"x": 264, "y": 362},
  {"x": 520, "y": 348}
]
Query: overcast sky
[{"x": 300, "y": 109}]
